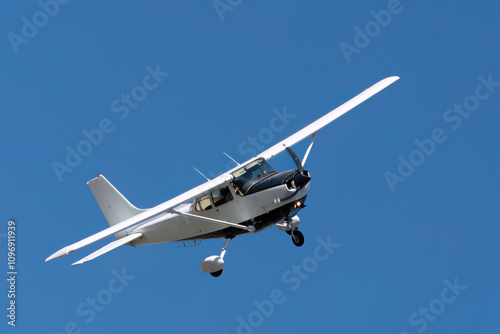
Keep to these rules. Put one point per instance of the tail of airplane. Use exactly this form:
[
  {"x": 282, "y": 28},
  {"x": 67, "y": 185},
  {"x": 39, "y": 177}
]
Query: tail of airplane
[{"x": 115, "y": 207}]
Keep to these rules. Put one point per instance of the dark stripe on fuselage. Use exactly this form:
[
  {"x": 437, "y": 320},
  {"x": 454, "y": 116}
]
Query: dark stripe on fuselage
[{"x": 272, "y": 181}]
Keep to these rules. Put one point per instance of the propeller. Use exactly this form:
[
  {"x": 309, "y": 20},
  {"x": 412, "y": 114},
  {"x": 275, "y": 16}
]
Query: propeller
[
  {"x": 296, "y": 160},
  {"x": 300, "y": 179}
]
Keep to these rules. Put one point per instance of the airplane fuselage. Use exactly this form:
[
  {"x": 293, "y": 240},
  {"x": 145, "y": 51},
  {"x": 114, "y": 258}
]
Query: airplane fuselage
[{"x": 261, "y": 209}]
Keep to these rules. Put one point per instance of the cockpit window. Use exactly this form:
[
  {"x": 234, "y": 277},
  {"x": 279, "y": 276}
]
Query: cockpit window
[
  {"x": 246, "y": 177},
  {"x": 203, "y": 203},
  {"x": 221, "y": 196}
]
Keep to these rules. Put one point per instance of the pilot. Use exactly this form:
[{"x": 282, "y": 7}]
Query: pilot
[{"x": 237, "y": 190}]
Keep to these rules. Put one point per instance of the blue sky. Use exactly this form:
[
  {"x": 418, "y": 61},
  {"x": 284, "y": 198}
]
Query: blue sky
[{"x": 414, "y": 252}]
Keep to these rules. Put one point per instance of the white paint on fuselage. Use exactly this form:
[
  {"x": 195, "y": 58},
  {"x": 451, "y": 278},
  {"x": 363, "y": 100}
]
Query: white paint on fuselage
[{"x": 171, "y": 227}]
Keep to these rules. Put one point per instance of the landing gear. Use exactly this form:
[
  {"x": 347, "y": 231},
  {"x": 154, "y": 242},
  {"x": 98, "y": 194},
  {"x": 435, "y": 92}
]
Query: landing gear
[
  {"x": 297, "y": 238},
  {"x": 291, "y": 227},
  {"x": 214, "y": 264}
]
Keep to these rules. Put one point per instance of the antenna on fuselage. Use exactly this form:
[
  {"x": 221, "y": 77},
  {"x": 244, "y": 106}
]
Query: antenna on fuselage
[
  {"x": 201, "y": 174},
  {"x": 227, "y": 155}
]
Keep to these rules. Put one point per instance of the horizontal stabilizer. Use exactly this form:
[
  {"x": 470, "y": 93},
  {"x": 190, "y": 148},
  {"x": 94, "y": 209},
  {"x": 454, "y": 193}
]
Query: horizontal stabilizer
[{"x": 109, "y": 247}]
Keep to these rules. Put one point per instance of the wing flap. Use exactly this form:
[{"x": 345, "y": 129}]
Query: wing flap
[{"x": 109, "y": 247}]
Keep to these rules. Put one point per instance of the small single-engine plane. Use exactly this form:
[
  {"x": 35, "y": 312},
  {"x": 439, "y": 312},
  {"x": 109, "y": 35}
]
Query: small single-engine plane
[{"x": 246, "y": 199}]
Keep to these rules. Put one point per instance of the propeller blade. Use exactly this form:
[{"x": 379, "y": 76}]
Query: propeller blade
[{"x": 296, "y": 160}]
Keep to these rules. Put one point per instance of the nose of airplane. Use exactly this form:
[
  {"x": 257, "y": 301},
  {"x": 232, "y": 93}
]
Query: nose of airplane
[{"x": 301, "y": 180}]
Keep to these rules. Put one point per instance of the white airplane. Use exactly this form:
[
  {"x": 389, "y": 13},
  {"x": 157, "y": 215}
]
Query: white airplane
[{"x": 246, "y": 199}]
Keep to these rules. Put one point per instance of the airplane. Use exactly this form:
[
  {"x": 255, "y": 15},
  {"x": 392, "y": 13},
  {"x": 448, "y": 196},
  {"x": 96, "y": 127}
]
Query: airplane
[{"x": 248, "y": 198}]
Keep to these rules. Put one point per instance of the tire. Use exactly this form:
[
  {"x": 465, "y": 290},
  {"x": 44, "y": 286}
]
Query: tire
[
  {"x": 297, "y": 238},
  {"x": 217, "y": 273}
]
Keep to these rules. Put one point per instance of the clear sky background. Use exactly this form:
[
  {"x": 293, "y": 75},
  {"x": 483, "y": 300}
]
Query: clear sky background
[{"x": 231, "y": 70}]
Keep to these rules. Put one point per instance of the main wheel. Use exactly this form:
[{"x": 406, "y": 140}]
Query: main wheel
[
  {"x": 217, "y": 273},
  {"x": 297, "y": 238}
]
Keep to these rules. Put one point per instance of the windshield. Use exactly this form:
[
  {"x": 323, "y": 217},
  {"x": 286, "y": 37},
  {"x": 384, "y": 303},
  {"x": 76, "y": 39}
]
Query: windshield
[{"x": 246, "y": 177}]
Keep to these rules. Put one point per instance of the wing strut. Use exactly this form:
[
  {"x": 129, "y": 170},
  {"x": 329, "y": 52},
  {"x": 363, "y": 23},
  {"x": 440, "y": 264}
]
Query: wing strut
[
  {"x": 217, "y": 221},
  {"x": 313, "y": 137}
]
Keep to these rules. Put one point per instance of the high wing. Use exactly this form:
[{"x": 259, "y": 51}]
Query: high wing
[
  {"x": 312, "y": 129},
  {"x": 145, "y": 216},
  {"x": 169, "y": 206}
]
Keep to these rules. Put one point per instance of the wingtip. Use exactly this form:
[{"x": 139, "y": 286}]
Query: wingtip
[
  {"x": 50, "y": 258},
  {"x": 384, "y": 83},
  {"x": 57, "y": 254},
  {"x": 393, "y": 78}
]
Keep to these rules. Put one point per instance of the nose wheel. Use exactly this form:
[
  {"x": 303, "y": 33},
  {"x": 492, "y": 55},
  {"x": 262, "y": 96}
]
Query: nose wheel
[
  {"x": 297, "y": 238},
  {"x": 291, "y": 227}
]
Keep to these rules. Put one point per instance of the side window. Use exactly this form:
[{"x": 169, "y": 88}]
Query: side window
[
  {"x": 221, "y": 196},
  {"x": 203, "y": 203}
]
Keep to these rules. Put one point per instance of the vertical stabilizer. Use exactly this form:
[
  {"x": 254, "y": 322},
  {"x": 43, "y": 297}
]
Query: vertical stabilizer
[{"x": 115, "y": 207}]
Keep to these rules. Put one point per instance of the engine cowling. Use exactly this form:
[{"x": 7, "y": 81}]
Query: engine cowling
[{"x": 212, "y": 264}]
